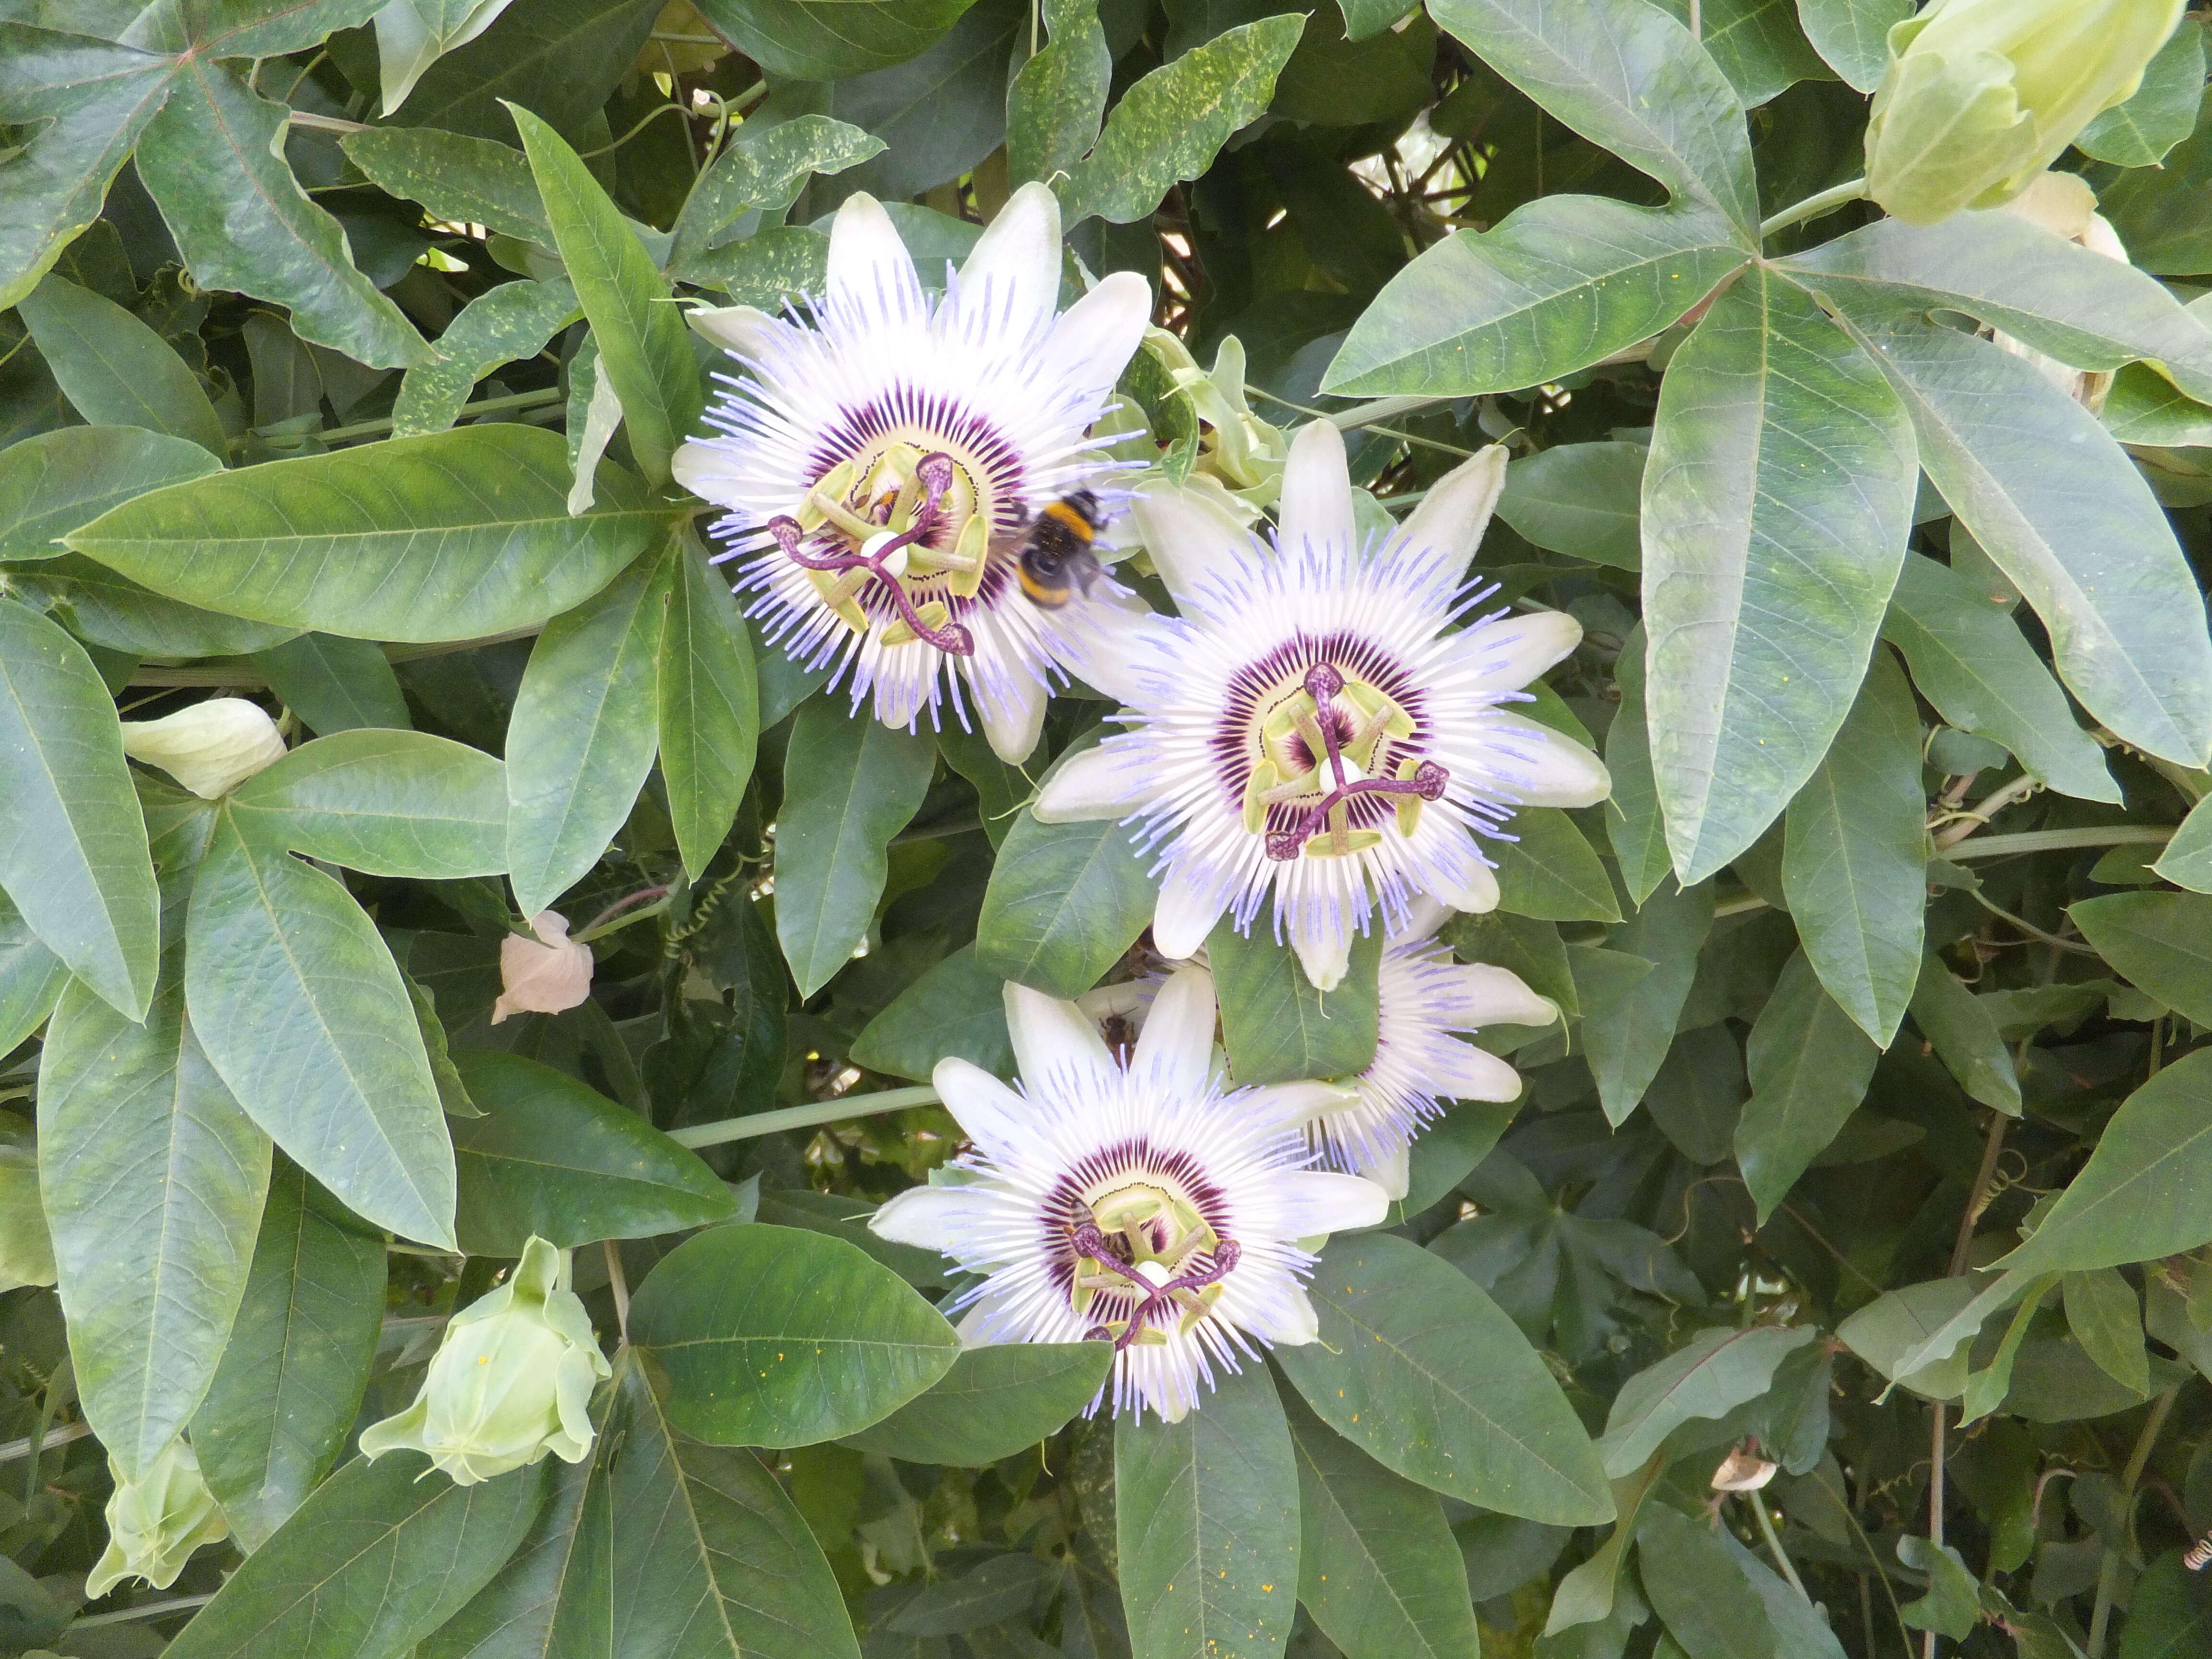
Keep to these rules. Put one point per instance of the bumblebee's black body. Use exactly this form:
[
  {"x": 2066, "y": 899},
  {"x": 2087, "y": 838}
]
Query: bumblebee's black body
[{"x": 1055, "y": 554}]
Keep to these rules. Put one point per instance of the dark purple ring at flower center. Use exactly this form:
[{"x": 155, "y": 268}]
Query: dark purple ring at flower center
[
  {"x": 1323, "y": 683},
  {"x": 1089, "y": 1241},
  {"x": 935, "y": 471}
]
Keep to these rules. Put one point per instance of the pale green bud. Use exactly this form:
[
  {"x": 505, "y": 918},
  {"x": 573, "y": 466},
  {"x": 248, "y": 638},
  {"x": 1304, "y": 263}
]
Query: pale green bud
[
  {"x": 512, "y": 1380},
  {"x": 1981, "y": 95},
  {"x": 210, "y": 748},
  {"x": 154, "y": 1524},
  {"x": 27, "y": 1249}
]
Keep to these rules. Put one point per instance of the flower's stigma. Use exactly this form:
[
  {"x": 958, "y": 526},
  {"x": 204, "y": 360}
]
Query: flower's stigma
[
  {"x": 882, "y": 557},
  {"x": 1105, "y": 1268},
  {"x": 1318, "y": 728}
]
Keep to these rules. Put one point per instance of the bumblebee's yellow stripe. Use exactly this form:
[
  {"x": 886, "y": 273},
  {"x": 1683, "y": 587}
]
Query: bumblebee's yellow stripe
[{"x": 1070, "y": 520}]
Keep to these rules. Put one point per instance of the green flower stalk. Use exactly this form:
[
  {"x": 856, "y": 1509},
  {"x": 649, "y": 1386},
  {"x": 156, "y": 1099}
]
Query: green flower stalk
[
  {"x": 512, "y": 1380},
  {"x": 1981, "y": 95},
  {"x": 155, "y": 1524}
]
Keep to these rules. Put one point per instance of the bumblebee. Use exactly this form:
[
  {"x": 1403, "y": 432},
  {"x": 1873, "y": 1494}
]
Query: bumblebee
[{"x": 1055, "y": 553}]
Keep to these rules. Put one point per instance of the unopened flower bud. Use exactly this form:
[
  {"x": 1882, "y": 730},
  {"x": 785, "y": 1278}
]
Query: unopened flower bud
[
  {"x": 154, "y": 1524},
  {"x": 548, "y": 975},
  {"x": 511, "y": 1381},
  {"x": 210, "y": 748},
  {"x": 1981, "y": 95},
  {"x": 27, "y": 1250}
]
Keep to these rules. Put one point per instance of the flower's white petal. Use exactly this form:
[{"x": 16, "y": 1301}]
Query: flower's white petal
[
  {"x": 1424, "y": 916},
  {"x": 1323, "y": 946},
  {"x": 1050, "y": 1037},
  {"x": 704, "y": 470},
  {"x": 1451, "y": 521},
  {"x": 738, "y": 330},
  {"x": 869, "y": 266},
  {"x": 991, "y": 1113},
  {"x": 1101, "y": 644},
  {"x": 1459, "y": 1071},
  {"x": 1095, "y": 337},
  {"x": 1392, "y": 1172},
  {"x": 1316, "y": 505},
  {"x": 1185, "y": 914},
  {"x": 1290, "y": 1105},
  {"x": 1098, "y": 783},
  {"x": 1283, "y": 1315},
  {"x": 1506, "y": 654},
  {"x": 1474, "y": 892},
  {"x": 929, "y": 1217},
  {"x": 1316, "y": 1201},
  {"x": 1189, "y": 539},
  {"x": 1486, "y": 995},
  {"x": 1177, "y": 1045},
  {"x": 1010, "y": 284},
  {"x": 1563, "y": 772},
  {"x": 1012, "y": 725}
]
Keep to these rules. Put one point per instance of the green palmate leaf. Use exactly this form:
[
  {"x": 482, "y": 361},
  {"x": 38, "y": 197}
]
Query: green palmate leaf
[
  {"x": 1418, "y": 1366},
  {"x": 994, "y": 1403},
  {"x": 1340, "y": 79},
  {"x": 644, "y": 350},
  {"x": 335, "y": 684},
  {"x": 1378, "y": 1569},
  {"x": 1207, "y": 1514},
  {"x": 103, "y": 609},
  {"x": 53, "y": 483},
  {"x": 1776, "y": 507},
  {"x": 552, "y": 1157},
  {"x": 1064, "y": 901},
  {"x": 1627, "y": 1031},
  {"x": 2161, "y": 942},
  {"x": 451, "y": 536},
  {"x": 254, "y": 28},
  {"x": 1628, "y": 78},
  {"x": 539, "y": 1604},
  {"x": 1710, "y": 1375},
  {"x": 1581, "y": 499},
  {"x": 1854, "y": 866},
  {"x": 1853, "y": 35},
  {"x": 2059, "y": 297},
  {"x": 1965, "y": 1037},
  {"x": 72, "y": 840},
  {"x": 1170, "y": 125},
  {"x": 375, "y": 1560},
  {"x": 2143, "y": 407},
  {"x": 827, "y": 39},
  {"x": 216, "y": 147},
  {"x": 2162, "y": 113},
  {"x": 846, "y": 1217},
  {"x": 2064, "y": 514},
  {"x": 2105, "y": 1316},
  {"x": 83, "y": 104},
  {"x": 114, "y": 369},
  {"x": 1560, "y": 284},
  {"x": 1969, "y": 658},
  {"x": 2162, "y": 214},
  {"x": 2141, "y": 1194},
  {"x": 1057, "y": 99},
  {"x": 152, "y": 1180},
  {"x": 1276, "y": 1026},
  {"x": 297, "y": 1002},
  {"x": 770, "y": 268},
  {"x": 1632, "y": 820},
  {"x": 709, "y": 707},
  {"x": 500, "y": 325},
  {"x": 32, "y": 978},
  {"x": 387, "y": 803},
  {"x": 1758, "y": 45},
  {"x": 558, "y": 57},
  {"x": 770, "y": 1336},
  {"x": 850, "y": 784},
  {"x": 1952, "y": 1605},
  {"x": 1809, "y": 1064},
  {"x": 2169, "y": 1616},
  {"x": 1550, "y": 871},
  {"x": 581, "y": 740},
  {"x": 1696, "y": 1097},
  {"x": 288, "y": 1386},
  {"x": 762, "y": 167},
  {"x": 460, "y": 180},
  {"x": 2187, "y": 860},
  {"x": 413, "y": 35},
  {"x": 1709, "y": 1605},
  {"x": 995, "y": 1593},
  {"x": 957, "y": 1007}
]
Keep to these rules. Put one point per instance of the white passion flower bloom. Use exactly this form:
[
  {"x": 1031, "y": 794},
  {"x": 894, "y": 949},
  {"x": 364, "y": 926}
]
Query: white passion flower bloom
[
  {"x": 882, "y": 459},
  {"x": 1307, "y": 727},
  {"x": 1144, "y": 1204},
  {"x": 1424, "y": 999}
]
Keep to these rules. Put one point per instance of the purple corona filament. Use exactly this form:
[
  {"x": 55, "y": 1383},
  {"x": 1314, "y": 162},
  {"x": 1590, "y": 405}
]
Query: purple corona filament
[
  {"x": 935, "y": 471},
  {"x": 1090, "y": 1242},
  {"x": 1323, "y": 683}
]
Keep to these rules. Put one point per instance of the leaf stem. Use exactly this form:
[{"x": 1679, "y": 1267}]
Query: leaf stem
[
  {"x": 2108, "y": 1576},
  {"x": 2055, "y": 841},
  {"x": 809, "y": 1116},
  {"x": 1350, "y": 419},
  {"x": 1820, "y": 201},
  {"x": 536, "y": 399},
  {"x": 1774, "y": 1544},
  {"x": 150, "y": 1610}
]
